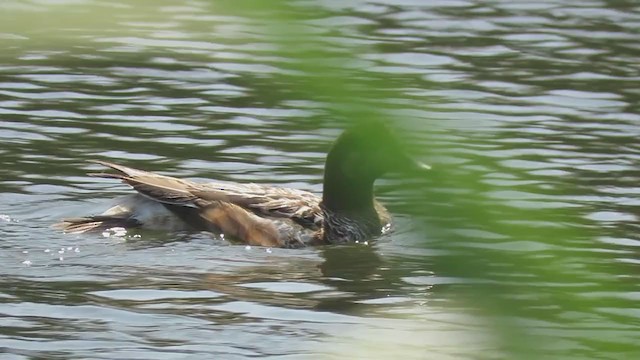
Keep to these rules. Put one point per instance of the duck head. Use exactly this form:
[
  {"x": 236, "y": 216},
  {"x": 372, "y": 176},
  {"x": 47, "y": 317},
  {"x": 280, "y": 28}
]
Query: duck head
[
  {"x": 358, "y": 157},
  {"x": 368, "y": 151}
]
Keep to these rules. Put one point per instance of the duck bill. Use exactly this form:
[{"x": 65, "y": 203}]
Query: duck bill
[
  {"x": 420, "y": 166},
  {"x": 414, "y": 166}
]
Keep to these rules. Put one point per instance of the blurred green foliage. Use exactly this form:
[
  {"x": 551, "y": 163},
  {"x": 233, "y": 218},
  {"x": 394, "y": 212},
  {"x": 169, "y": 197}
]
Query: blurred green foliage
[{"x": 527, "y": 269}]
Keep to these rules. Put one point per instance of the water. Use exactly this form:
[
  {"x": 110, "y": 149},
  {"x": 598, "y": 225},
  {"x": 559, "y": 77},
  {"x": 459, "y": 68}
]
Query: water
[{"x": 544, "y": 94}]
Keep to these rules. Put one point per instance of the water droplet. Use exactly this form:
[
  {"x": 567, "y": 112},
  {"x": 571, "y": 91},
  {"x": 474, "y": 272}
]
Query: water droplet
[
  {"x": 248, "y": 247},
  {"x": 27, "y": 262},
  {"x": 269, "y": 250}
]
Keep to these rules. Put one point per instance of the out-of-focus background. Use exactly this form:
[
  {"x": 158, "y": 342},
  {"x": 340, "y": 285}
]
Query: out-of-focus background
[{"x": 523, "y": 242}]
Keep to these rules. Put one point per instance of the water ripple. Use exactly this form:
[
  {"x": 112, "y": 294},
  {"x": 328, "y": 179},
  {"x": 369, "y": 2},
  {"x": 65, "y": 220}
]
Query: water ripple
[{"x": 535, "y": 100}]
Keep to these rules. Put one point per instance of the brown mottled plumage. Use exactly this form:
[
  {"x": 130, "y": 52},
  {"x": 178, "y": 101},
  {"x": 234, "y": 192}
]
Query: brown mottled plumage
[{"x": 266, "y": 215}]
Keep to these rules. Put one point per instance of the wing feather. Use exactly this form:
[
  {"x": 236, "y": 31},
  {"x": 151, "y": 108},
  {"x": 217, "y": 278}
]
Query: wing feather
[{"x": 300, "y": 206}]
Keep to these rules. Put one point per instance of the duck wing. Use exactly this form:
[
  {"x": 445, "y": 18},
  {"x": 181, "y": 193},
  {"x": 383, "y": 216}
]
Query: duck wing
[
  {"x": 161, "y": 188},
  {"x": 300, "y": 206}
]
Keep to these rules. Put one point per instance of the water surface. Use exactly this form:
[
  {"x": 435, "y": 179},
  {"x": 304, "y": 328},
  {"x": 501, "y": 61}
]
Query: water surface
[{"x": 538, "y": 102}]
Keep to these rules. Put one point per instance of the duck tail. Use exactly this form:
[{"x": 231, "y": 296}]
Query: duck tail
[{"x": 96, "y": 223}]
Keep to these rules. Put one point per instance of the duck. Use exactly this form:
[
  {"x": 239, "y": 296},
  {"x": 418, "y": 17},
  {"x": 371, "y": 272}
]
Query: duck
[{"x": 265, "y": 215}]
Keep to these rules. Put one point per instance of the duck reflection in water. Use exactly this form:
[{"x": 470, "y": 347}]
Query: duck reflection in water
[{"x": 347, "y": 275}]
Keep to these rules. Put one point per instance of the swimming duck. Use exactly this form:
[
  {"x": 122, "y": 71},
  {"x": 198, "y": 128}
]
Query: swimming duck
[{"x": 265, "y": 215}]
